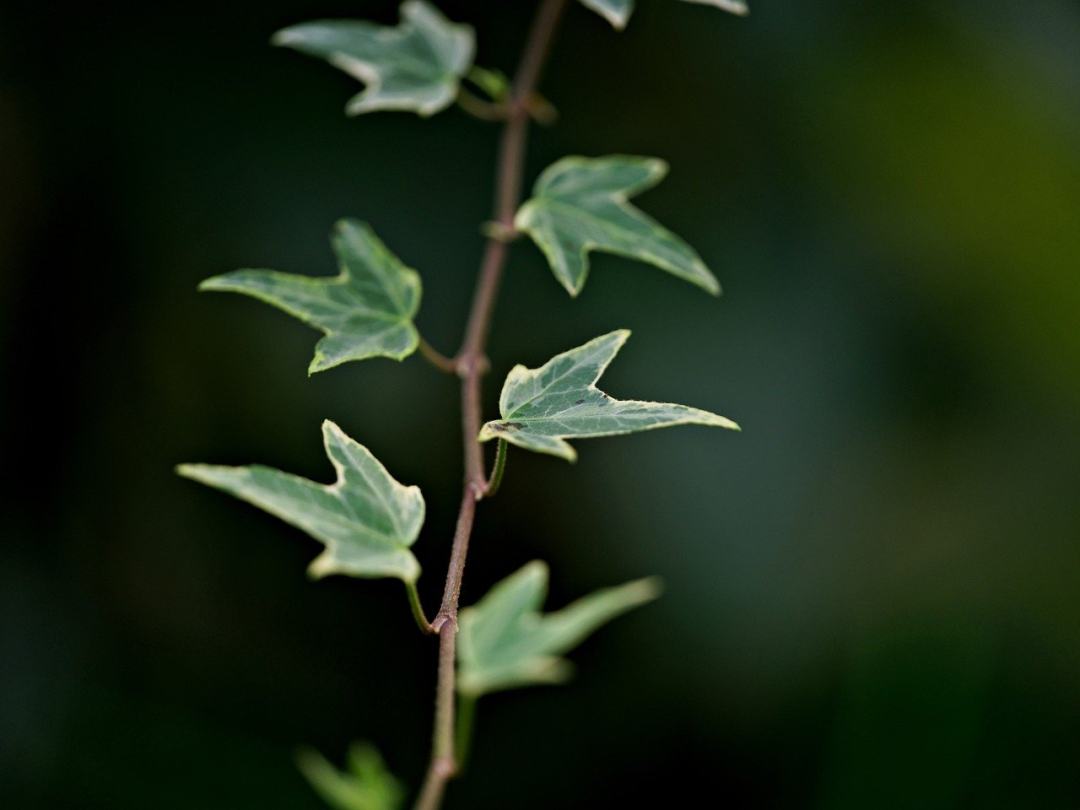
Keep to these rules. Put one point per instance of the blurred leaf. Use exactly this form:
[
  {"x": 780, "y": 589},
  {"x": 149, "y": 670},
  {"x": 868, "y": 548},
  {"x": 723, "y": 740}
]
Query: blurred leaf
[
  {"x": 493, "y": 82},
  {"x": 580, "y": 204},
  {"x": 415, "y": 66},
  {"x": 506, "y": 642},
  {"x": 366, "y": 519},
  {"x": 366, "y": 785},
  {"x": 734, "y": 6},
  {"x": 617, "y": 12},
  {"x": 542, "y": 407},
  {"x": 366, "y": 310}
]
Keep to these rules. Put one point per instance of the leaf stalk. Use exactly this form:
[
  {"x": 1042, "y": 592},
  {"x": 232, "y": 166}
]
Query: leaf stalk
[
  {"x": 418, "y": 609},
  {"x": 497, "y": 471},
  {"x": 437, "y": 358}
]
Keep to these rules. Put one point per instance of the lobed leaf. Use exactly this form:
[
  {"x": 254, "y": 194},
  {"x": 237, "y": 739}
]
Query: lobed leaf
[
  {"x": 506, "y": 642},
  {"x": 416, "y": 66},
  {"x": 580, "y": 205},
  {"x": 366, "y": 519},
  {"x": 365, "y": 785},
  {"x": 617, "y": 12},
  {"x": 366, "y": 310},
  {"x": 543, "y": 407}
]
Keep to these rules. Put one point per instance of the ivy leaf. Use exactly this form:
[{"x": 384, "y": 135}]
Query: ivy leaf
[
  {"x": 366, "y": 519},
  {"x": 506, "y": 642},
  {"x": 365, "y": 785},
  {"x": 580, "y": 204},
  {"x": 365, "y": 311},
  {"x": 415, "y": 66},
  {"x": 543, "y": 407},
  {"x": 617, "y": 12}
]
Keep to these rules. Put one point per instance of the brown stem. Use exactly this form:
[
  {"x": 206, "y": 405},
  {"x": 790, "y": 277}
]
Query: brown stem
[{"x": 471, "y": 364}]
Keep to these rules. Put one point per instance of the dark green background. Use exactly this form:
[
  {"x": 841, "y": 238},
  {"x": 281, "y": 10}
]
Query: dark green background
[{"x": 872, "y": 592}]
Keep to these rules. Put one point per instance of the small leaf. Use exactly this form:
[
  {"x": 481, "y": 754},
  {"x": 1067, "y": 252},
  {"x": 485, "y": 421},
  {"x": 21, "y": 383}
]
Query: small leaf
[
  {"x": 493, "y": 82},
  {"x": 366, "y": 519},
  {"x": 365, "y": 311},
  {"x": 506, "y": 642},
  {"x": 543, "y": 407},
  {"x": 617, "y": 12},
  {"x": 366, "y": 785},
  {"x": 734, "y": 6},
  {"x": 415, "y": 66},
  {"x": 580, "y": 204}
]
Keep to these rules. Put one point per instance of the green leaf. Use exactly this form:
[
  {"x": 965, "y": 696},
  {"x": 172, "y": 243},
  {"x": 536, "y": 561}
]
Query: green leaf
[
  {"x": 365, "y": 311},
  {"x": 493, "y": 82},
  {"x": 543, "y": 407},
  {"x": 617, "y": 12},
  {"x": 366, "y": 785},
  {"x": 505, "y": 641},
  {"x": 580, "y": 204},
  {"x": 415, "y": 66},
  {"x": 366, "y": 519}
]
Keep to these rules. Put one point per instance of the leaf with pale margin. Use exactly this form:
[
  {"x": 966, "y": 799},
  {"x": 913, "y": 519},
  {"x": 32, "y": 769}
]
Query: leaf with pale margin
[
  {"x": 580, "y": 204},
  {"x": 506, "y": 642},
  {"x": 617, "y": 12},
  {"x": 366, "y": 519},
  {"x": 366, "y": 784},
  {"x": 365, "y": 311},
  {"x": 415, "y": 66},
  {"x": 542, "y": 407}
]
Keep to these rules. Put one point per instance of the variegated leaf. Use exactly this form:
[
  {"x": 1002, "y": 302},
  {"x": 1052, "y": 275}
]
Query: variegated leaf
[
  {"x": 617, "y": 12},
  {"x": 366, "y": 519},
  {"x": 365, "y": 784},
  {"x": 365, "y": 311},
  {"x": 415, "y": 66},
  {"x": 543, "y": 407},
  {"x": 506, "y": 642},
  {"x": 580, "y": 204}
]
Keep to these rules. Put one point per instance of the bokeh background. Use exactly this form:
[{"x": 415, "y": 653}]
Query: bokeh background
[{"x": 872, "y": 592}]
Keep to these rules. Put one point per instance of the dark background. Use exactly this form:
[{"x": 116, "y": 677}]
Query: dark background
[{"x": 872, "y": 592}]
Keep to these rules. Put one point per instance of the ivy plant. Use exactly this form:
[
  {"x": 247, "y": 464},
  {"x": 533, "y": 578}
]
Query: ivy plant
[{"x": 368, "y": 521}]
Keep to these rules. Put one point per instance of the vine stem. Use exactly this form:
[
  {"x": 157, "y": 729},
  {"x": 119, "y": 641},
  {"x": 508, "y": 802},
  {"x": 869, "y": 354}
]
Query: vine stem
[{"x": 471, "y": 365}]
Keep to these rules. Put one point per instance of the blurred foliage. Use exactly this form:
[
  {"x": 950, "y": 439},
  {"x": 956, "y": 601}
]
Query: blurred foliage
[{"x": 871, "y": 592}]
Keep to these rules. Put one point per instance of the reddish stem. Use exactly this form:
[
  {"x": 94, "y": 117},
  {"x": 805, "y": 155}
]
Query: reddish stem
[{"x": 471, "y": 364}]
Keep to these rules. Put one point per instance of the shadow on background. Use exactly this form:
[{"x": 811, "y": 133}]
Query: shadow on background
[{"x": 871, "y": 592}]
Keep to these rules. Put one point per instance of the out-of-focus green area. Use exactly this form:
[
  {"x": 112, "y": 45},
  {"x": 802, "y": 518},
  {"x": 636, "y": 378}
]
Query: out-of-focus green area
[{"x": 872, "y": 592}]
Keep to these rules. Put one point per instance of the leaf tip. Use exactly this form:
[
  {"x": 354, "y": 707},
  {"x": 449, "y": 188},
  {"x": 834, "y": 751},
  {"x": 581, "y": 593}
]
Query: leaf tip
[
  {"x": 320, "y": 362},
  {"x": 286, "y": 37},
  {"x": 212, "y": 284},
  {"x": 535, "y": 569},
  {"x": 348, "y": 225},
  {"x": 643, "y": 591},
  {"x": 331, "y": 429},
  {"x": 321, "y": 566},
  {"x": 658, "y": 168},
  {"x": 619, "y": 337},
  {"x": 617, "y": 19}
]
